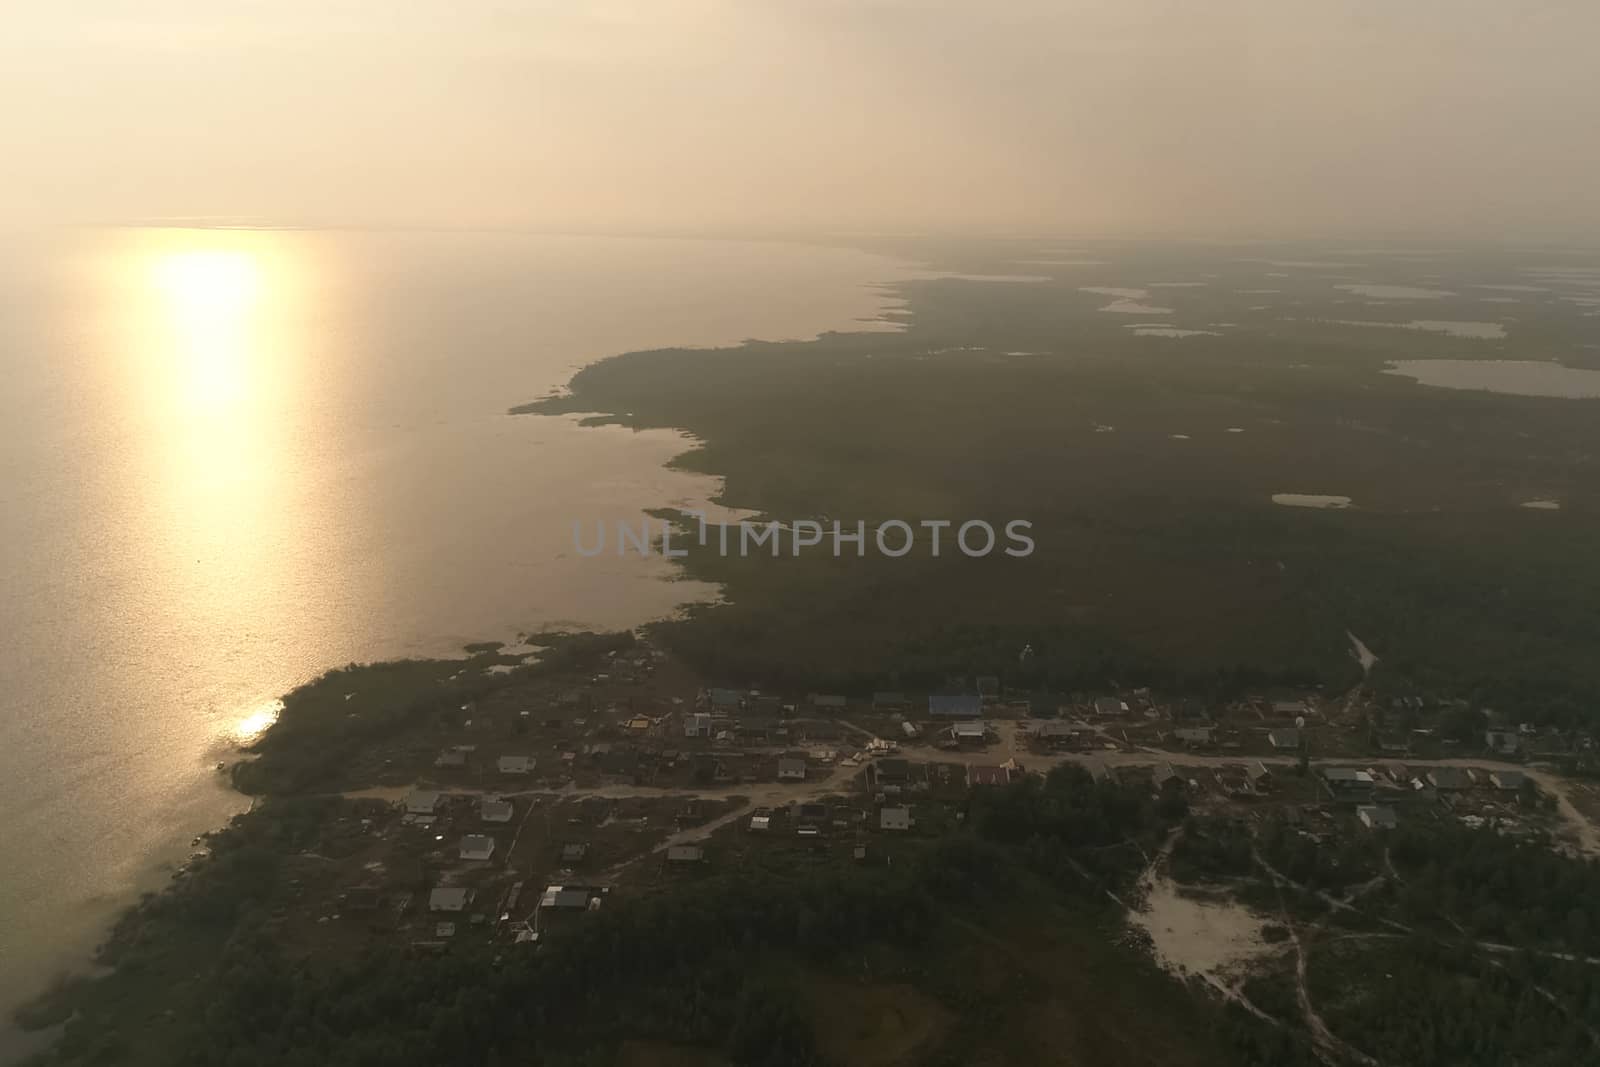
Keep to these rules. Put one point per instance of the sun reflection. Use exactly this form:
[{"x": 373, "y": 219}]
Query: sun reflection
[
  {"x": 214, "y": 352},
  {"x": 209, "y": 299},
  {"x": 256, "y": 721}
]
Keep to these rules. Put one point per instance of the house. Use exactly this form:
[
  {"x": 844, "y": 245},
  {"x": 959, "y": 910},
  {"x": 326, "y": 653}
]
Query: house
[
  {"x": 1054, "y": 733},
  {"x": 892, "y": 771},
  {"x": 449, "y": 899},
  {"x": 761, "y": 823},
  {"x": 1284, "y": 740},
  {"x": 1288, "y": 709},
  {"x": 980, "y": 774},
  {"x": 516, "y": 764},
  {"x": 1165, "y": 778},
  {"x": 1502, "y": 742},
  {"x": 619, "y": 764},
  {"x": 477, "y": 847},
  {"x": 760, "y": 727},
  {"x": 1260, "y": 776},
  {"x": 828, "y": 701},
  {"x": 455, "y": 756},
  {"x": 821, "y": 730},
  {"x": 791, "y": 770},
  {"x": 889, "y": 701},
  {"x": 423, "y": 801},
  {"x": 1346, "y": 782},
  {"x": 1450, "y": 779},
  {"x": 1109, "y": 707},
  {"x": 495, "y": 809},
  {"x": 570, "y": 898},
  {"x": 708, "y": 768},
  {"x": 1193, "y": 736},
  {"x": 812, "y": 812},
  {"x": 972, "y": 732},
  {"x": 954, "y": 706},
  {"x": 894, "y": 819},
  {"x": 1376, "y": 817},
  {"x": 685, "y": 854},
  {"x": 638, "y": 725},
  {"x": 1235, "y": 781},
  {"x": 909, "y": 728},
  {"x": 724, "y": 699},
  {"x": 1394, "y": 744},
  {"x": 697, "y": 724},
  {"x": 1508, "y": 781}
]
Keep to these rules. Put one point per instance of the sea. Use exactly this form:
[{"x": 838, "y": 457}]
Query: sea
[{"x": 231, "y": 459}]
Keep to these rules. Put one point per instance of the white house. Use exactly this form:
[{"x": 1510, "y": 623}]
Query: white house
[
  {"x": 975, "y": 730},
  {"x": 450, "y": 899},
  {"x": 424, "y": 801},
  {"x": 516, "y": 764},
  {"x": 791, "y": 770},
  {"x": 1377, "y": 817},
  {"x": 495, "y": 809},
  {"x": 697, "y": 725},
  {"x": 477, "y": 847},
  {"x": 894, "y": 819}
]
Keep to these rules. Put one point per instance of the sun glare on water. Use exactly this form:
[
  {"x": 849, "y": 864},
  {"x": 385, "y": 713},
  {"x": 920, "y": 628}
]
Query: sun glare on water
[
  {"x": 256, "y": 721},
  {"x": 209, "y": 303}
]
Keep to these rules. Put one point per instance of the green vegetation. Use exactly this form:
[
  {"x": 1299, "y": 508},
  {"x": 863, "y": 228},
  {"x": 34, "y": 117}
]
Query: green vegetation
[
  {"x": 997, "y": 937},
  {"x": 1498, "y": 889},
  {"x": 1000, "y": 938},
  {"x": 1415, "y": 1001},
  {"x": 327, "y": 724},
  {"x": 1159, "y": 561}
]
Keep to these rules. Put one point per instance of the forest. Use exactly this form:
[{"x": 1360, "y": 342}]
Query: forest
[
  {"x": 1158, "y": 562},
  {"x": 1007, "y": 920},
  {"x": 729, "y": 966}
]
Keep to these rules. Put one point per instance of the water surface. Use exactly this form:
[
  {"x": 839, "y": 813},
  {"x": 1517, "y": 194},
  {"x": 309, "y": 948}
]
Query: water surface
[
  {"x": 234, "y": 459},
  {"x": 1509, "y": 376}
]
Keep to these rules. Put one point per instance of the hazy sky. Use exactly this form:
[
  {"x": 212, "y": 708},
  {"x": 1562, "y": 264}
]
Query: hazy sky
[{"x": 1245, "y": 117}]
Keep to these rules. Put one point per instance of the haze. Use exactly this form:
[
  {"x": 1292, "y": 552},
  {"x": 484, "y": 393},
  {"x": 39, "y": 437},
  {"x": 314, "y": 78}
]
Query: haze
[{"x": 1464, "y": 119}]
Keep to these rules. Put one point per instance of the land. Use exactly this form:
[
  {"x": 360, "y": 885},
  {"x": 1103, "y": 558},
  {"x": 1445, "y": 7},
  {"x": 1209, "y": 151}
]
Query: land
[
  {"x": 1144, "y": 796},
  {"x": 1062, "y": 860},
  {"x": 1162, "y": 558}
]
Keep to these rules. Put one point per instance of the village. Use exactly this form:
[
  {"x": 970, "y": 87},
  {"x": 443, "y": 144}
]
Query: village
[{"x": 546, "y": 801}]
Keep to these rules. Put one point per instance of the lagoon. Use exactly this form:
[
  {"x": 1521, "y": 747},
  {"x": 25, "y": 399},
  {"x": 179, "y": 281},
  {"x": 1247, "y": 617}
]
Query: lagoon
[{"x": 1508, "y": 376}]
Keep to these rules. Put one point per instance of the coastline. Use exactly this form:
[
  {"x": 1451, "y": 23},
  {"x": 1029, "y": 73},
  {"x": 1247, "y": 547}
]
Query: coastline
[{"x": 157, "y": 874}]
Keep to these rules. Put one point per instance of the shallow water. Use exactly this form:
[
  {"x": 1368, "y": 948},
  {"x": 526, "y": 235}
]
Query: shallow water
[
  {"x": 1511, "y": 377},
  {"x": 1310, "y": 500},
  {"x": 1394, "y": 292}
]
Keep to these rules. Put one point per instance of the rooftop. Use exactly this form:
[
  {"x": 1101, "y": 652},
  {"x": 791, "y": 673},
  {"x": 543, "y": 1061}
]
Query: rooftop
[{"x": 955, "y": 705}]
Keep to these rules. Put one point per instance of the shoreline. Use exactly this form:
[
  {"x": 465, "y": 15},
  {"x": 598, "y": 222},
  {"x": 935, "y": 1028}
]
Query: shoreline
[{"x": 156, "y": 869}]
